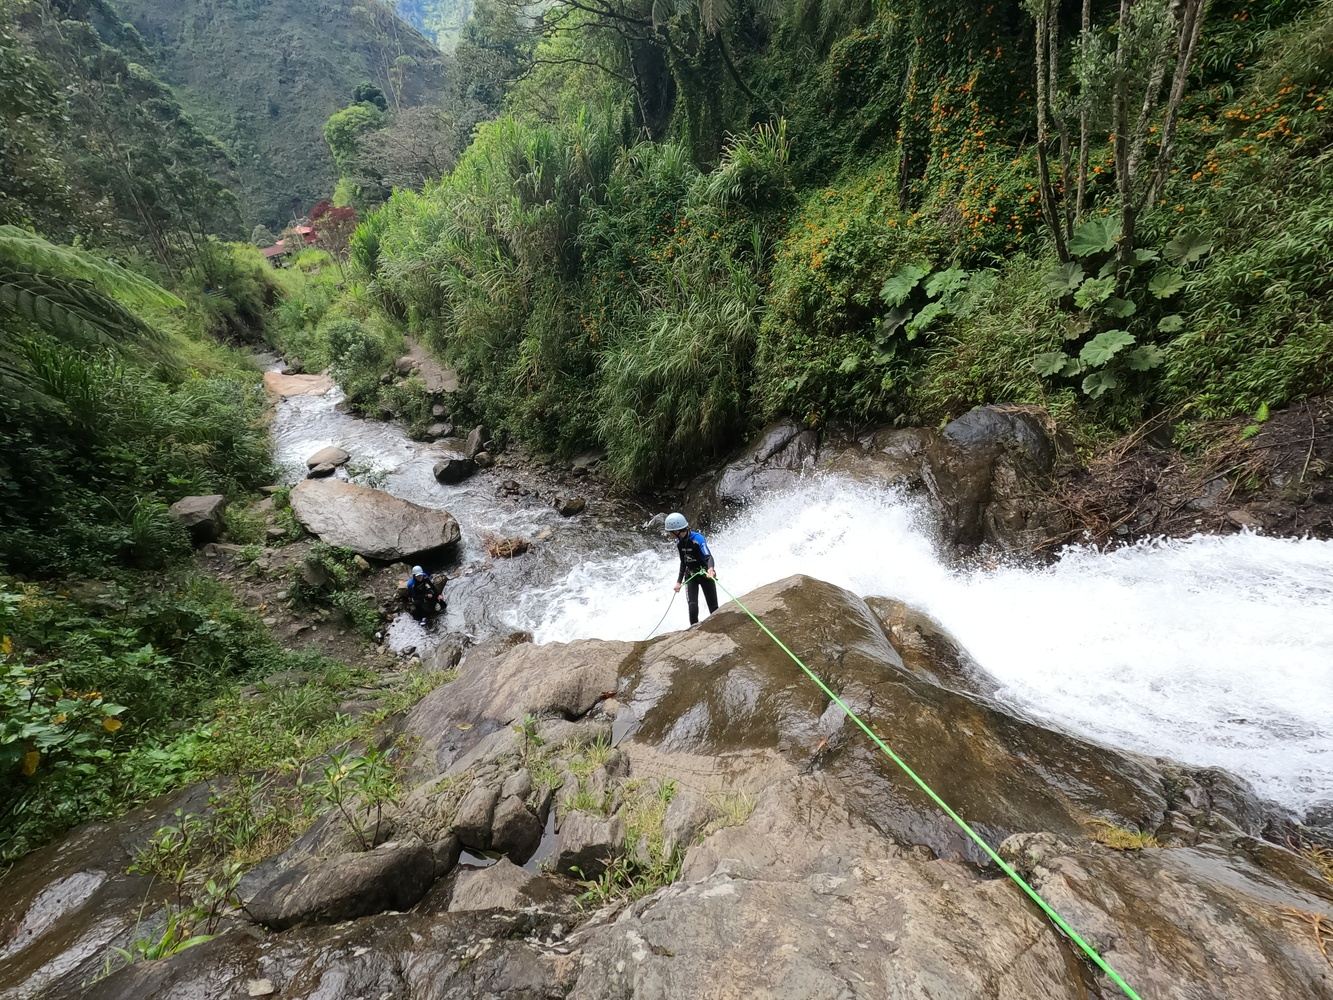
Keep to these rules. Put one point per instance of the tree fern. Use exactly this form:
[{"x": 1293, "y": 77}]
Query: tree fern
[
  {"x": 71, "y": 295},
  {"x": 21, "y": 250},
  {"x": 72, "y": 310}
]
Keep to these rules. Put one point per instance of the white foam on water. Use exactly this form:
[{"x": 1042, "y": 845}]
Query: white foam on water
[{"x": 1214, "y": 651}]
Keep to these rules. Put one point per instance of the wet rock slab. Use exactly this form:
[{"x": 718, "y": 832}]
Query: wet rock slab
[
  {"x": 283, "y": 385},
  {"x": 810, "y": 868}
]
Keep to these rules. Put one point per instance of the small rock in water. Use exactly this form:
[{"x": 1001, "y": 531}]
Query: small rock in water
[
  {"x": 453, "y": 467},
  {"x": 320, "y": 471},
  {"x": 435, "y": 431},
  {"x": 483, "y": 459},
  {"x": 569, "y": 506},
  {"x": 328, "y": 456}
]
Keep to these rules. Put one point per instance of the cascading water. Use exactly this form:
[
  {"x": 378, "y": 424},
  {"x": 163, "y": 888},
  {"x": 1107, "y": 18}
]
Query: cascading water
[{"x": 1213, "y": 651}]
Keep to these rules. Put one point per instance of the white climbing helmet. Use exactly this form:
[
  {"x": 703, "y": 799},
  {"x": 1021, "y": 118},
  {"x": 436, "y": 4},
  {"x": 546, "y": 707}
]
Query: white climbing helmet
[
  {"x": 676, "y": 522},
  {"x": 418, "y": 571}
]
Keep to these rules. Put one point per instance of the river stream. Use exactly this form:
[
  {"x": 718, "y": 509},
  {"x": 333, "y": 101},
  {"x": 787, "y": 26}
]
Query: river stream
[{"x": 1213, "y": 650}]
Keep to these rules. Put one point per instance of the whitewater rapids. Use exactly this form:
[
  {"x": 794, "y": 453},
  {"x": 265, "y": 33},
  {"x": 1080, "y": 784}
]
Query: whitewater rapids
[{"x": 1215, "y": 651}]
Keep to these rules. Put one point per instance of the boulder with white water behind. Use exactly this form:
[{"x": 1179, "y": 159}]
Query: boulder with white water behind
[
  {"x": 980, "y": 473},
  {"x": 370, "y": 522},
  {"x": 328, "y": 456}
]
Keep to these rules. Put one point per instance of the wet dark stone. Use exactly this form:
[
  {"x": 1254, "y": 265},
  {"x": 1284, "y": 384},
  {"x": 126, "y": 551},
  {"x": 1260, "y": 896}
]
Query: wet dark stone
[{"x": 453, "y": 467}]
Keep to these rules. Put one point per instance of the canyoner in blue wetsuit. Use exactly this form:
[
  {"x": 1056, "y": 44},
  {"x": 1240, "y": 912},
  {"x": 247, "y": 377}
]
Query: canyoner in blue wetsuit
[{"x": 695, "y": 558}]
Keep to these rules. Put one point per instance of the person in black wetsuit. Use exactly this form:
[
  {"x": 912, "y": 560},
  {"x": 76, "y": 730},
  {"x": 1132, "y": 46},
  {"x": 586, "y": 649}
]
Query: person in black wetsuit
[
  {"x": 423, "y": 594},
  {"x": 695, "y": 557}
]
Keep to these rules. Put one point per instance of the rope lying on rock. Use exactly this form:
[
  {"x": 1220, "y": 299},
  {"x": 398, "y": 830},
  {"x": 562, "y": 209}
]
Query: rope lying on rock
[{"x": 962, "y": 824}]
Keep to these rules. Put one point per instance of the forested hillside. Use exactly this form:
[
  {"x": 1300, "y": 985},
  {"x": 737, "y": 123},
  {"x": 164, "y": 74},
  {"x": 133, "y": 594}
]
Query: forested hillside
[
  {"x": 263, "y": 77},
  {"x": 694, "y": 218}
]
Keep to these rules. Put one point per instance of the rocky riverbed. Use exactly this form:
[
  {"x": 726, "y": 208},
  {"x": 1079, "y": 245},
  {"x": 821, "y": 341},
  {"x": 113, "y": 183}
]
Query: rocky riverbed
[
  {"x": 807, "y": 864},
  {"x": 687, "y": 815}
]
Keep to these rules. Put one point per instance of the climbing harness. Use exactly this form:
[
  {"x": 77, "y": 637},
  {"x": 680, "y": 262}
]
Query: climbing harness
[{"x": 962, "y": 824}]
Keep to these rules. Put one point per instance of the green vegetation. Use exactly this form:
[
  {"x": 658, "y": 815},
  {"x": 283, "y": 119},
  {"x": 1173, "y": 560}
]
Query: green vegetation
[
  {"x": 869, "y": 213},
  {"x": 95, "y": 147},
  {"x": 1118, "y": 838},
  {"x": 263, "y": 77}
]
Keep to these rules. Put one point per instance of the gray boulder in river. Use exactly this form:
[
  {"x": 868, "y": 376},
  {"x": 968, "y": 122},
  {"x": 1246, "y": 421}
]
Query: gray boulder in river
[
  {"x": 371, "y": 522},
  {"x": 809, "y": 865}
]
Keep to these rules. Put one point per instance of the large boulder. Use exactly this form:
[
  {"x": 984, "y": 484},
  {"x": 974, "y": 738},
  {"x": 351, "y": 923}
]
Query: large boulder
[
  {"x": 371, "y": 522},
  {"x": 781, "y": 454},
  {"x": 472, "y": 822},
  {"x": 720, "y": 690},
  {"x": 983, "y": 469},
  {"x": 327, "y": 890},
  {"x": 201, "y": 517}
]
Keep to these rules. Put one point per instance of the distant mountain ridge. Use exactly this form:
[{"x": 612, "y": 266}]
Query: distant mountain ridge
[{"x": 264, "y": 77}]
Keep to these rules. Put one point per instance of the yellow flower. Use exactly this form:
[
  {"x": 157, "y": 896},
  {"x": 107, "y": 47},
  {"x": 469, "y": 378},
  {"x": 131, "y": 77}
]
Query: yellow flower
[
  {"x": 59, "y": 719},
  {"x": 6, "y": 645},
  {"x": 111, "y": 723},
  {"x": 30, "y": 761}
]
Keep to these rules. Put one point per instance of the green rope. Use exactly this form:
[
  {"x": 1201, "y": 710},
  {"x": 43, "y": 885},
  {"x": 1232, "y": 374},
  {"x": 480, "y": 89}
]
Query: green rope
[
  {"x": 963, "y": 825},
  {"x": 671, "y": 602}
]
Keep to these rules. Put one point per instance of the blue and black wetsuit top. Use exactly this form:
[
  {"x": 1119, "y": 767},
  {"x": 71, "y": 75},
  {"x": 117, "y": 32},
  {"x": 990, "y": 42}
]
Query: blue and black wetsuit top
[
  {"x": 695, "y": 555},
  {"x": 424, "y": 582}
]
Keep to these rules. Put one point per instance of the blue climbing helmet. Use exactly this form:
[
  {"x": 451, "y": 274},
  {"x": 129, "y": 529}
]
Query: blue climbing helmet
[{"x": 676, "y": 522}]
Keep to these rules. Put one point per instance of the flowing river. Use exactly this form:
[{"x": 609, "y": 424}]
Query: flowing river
[{"x": 1213, "y": 651}]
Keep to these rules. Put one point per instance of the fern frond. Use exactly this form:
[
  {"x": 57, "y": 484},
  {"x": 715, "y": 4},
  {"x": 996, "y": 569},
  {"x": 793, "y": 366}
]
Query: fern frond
[
  {"x": 72, "y": 310},
  {"x": 714, "y": 14},
  {"x": 22, "y": 250}
]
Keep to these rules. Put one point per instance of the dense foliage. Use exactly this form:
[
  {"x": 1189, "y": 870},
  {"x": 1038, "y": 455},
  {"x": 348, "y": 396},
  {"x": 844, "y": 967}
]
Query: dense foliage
[
  {"x": 94, "y": 146},
  {"x": 691, "y": 219}
]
